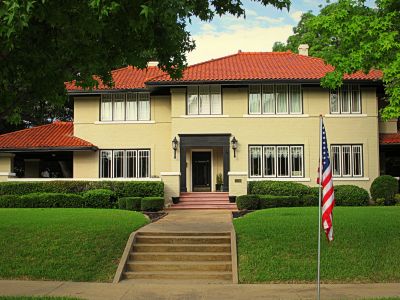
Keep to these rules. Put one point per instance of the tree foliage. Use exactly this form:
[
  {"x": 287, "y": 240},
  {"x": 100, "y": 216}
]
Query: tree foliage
[
  {"x": 352, "y": 36},
  {"x": 45, "y": 43}
]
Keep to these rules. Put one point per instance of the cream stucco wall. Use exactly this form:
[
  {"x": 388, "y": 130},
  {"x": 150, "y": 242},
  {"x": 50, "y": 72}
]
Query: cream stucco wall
[
  {"x": 169, "y": 119},
  {"x": 389, "y": 126}
]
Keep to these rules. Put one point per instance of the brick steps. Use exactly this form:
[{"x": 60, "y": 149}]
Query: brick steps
[
  {"x": 176, "y": 256},
  {"x": 210, "y": 200}
]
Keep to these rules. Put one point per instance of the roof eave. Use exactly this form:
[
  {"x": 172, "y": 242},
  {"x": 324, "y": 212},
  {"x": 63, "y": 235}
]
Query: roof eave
[
  {"x": 49, "y": 149},
  {"x": 106, "y": 91}
]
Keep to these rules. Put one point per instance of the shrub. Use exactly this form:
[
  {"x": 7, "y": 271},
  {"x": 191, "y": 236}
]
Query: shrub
[
  {"x": 397, "y": 199},
  {"x": 133, "y": 203},
  {"x": 122, "y": 203},
  {"x": 310, "y": 200},
  {"x": 269, "y": 201},
  {"x": 249, "y": 202},
  {"x": 152, "y": 204},
  {"x": 121, "y": 188},
  {"x": 100, "y": 198},
  {"x": 350, "y": 195},
  {"x": 278, "y": 188},
  {"x": 380, "y": 201},
  {"x": 385, "y": 187},
  {"x": 42, "y": 200}
]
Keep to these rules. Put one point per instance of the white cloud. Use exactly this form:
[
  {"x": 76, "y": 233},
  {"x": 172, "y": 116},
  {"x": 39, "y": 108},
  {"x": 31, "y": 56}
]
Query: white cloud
[
  {"x": 250, "y": 38},
  {"x": 296, "y": 15},
  {"x": 207, "y": 27},
  {"x": 270, "y": 20},
  {"x": 250, "y": 12}
]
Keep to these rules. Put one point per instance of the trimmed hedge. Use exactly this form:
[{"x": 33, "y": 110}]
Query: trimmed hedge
[
  {"x": 121, "y": 188},
  {"x": 310, "y": 200},
  {"x": 152, "y": 204},
  {"x": 43, "y": 200},
  {"x": 384, "y": 187},
  {"x": 100, "y": 198},
  {"x": 278, "y": 188},
  {"x": 350, "y": 195},
  {"x": 249, "y": 202},
  {"x": 133, "y": 203},
  {"x": 270, "y": 201},
  {"x": 122, "y": 203}
]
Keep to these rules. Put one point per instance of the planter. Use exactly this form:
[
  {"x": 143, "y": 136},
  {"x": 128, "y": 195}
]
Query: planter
[
  {"x": 175, "y": 200},
  {"x": 232, "y": 199}
]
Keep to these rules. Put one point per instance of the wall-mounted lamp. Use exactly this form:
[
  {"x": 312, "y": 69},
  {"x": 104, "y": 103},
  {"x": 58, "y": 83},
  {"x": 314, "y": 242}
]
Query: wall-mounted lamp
[
  {"x": 234, "y": 143},
  {"x": 175, "y": 146}
]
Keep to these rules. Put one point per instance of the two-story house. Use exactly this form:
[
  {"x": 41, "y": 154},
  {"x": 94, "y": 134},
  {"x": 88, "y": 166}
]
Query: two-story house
[{"x": 247, "y": 116}]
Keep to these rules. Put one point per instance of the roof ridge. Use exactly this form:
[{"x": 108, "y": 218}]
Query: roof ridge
[{"x": 34, "y": 127}]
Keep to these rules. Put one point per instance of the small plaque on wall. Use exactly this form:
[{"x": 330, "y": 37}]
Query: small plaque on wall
[{"x": 238, "y": 180}]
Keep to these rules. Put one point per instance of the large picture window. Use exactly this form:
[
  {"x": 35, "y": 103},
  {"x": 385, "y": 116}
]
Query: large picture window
[
  {"x": 133, "y": 163},
  {"x": 204, "y": 100},
  {"x": 345, "y": 100},
  {"x": 125, "y": 107},
  {"x": 347, "y": 160},
  {"x": 275, "y": 99},
  {"x": 276, "y": 161}
]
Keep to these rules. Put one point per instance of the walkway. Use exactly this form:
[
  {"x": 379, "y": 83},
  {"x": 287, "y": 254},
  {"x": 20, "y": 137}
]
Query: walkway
[{"x": 139, "y": 291}]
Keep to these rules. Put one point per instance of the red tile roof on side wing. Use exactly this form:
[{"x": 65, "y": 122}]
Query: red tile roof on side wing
[
  {"x": 124, "y": 78},
  {"x": 55, "y": 136},
  {"x": 260, "y": 66},
  {"x": 389, "y": 138}
]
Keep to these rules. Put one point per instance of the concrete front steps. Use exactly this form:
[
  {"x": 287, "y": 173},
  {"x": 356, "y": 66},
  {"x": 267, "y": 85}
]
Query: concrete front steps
[
  {"x": 200, "y": 200},
  {"x": 180, "y": 256}
]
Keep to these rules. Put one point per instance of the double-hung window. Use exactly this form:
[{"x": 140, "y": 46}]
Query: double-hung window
[
  {"x": 133, "y": 163},
  {"x": 346, "y": 100},
  {"x": 275, "y": 99},
  {"x": 276, "y": 161},
  {"x": 347, "y": 160},
  {"x": 125, "y": 107},
  {"x": 204, "y": 100}
]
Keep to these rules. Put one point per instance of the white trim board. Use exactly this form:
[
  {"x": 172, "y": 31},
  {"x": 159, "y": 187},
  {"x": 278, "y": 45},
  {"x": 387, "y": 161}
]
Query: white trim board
[{"x": 298, "y": 179}]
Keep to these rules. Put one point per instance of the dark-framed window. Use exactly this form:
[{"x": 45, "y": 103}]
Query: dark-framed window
[
  {"x": 345, "y": 100},
  {"x": 347, "y": 160},
  {"x": 276, "y": 161},
  {"x": 204, "y": 99},
  {"x": 125, "y": 107},
  {"x": 130, "y": 163},
  {"x": 270, "y": 99}
]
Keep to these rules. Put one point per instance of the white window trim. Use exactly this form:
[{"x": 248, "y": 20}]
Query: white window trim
[
  {"x": 203, "y": 116},
  {"x": 297, "y": 179},
  {"x": 302, "y": 162},
  {"x": 361, "y": 161},
  {"x": 287, "y": 112},
  {"x": 261, "y": 165},
  {"x": 198, "y": 114},
  {"x": 338, "y": 115},
  {"x": 351, "y": 176},
  {"x": 339, "y": 99},
  {"x": 101, "y": 121},
  {"x": 276, "y": 116},
  {"x": 288, "y": 160},
  {"x": 123, "y": 122}
]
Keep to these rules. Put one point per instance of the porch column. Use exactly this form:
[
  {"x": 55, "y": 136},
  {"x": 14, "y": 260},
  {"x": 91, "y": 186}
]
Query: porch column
[
  {"x": 6, "y": 166},
  {"x": 182, "y": 156},
  {"x": 225, "y": 152}
]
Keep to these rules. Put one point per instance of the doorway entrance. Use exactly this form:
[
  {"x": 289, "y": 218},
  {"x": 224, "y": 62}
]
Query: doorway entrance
[{"x": 201, "y": 171}]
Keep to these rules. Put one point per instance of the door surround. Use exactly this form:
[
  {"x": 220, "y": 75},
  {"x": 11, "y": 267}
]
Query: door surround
[{"x": 211, "y": 165}]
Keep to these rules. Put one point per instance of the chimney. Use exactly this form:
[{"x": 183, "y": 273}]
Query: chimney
[
  {"x": 152, "y": 63},
  {"x": 303, "y": 49}
]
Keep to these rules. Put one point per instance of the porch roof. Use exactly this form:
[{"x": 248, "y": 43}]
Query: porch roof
[
  {"x": 58, "y": 136},
  {"x": 389, "y": 138}
]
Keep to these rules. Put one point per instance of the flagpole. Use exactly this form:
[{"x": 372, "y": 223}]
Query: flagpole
[{"x": 319, "y": 209}]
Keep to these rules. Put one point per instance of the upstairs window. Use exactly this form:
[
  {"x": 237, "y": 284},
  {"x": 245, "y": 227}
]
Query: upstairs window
[
  {"x": 204, "y": 100},
  {"x": 275, "y": 99},
  {"x": 125, "y": 107},
  {"x": 346, "y": 100}
]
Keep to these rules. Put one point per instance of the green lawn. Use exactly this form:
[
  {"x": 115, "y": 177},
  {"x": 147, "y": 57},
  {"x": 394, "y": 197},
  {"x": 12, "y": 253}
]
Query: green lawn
[
  {"x": 64, "y": 244},
  {"x": 280, "y": 245}
]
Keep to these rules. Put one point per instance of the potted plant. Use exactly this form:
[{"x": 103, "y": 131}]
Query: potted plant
[{"x": 220, "y": 183}]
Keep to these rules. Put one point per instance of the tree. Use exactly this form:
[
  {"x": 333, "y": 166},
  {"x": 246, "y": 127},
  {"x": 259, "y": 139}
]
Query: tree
[
  {"x": 352, "y": 36},
  {"x": 45, "y": 43}
]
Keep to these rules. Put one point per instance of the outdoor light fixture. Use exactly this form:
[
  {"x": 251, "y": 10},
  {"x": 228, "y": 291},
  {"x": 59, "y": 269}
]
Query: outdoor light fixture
[
  {"x": 175, "y": 146},
  {"x": 234, "y": 146}
]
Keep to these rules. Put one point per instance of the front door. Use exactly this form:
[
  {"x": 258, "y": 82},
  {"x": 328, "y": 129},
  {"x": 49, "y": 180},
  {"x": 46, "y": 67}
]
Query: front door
[{"x": 201, "y": 171}]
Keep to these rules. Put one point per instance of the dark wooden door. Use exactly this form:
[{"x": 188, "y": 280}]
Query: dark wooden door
[{"x": 201, "y": 171}]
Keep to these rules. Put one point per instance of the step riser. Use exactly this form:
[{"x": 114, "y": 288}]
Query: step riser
[
  {"x": 203, "y": 207},
  {"x": 203, "y": 202},
  {"x": 132, "y": 267},
  {"x": 173, "y": 276},
  {"x": 180, "y": 248},
  {"x": 174, "y": 234},
  {"x": 183, "y": 257},
  {"x": 182, "y": 240}
]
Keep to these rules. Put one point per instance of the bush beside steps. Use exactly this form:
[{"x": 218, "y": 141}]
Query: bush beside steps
[{"x": 150, "y": 204}]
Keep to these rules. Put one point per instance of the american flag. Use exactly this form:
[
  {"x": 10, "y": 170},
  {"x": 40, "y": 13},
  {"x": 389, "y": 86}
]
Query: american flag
[{"x": 328, "y": 196}]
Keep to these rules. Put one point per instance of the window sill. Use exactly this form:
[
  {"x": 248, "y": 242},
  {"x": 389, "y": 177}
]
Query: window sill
[
  {"x": 350, "y": 178},
  {"x": 346, "y": 115},
  {"x": 298, "y": 179},
  {"x": 123, "y": 122},
  {"x": 86, "y": 179},
  {"x": 277, "y": 116},
  {"x": 203, "y": 116},
  {"x": 7, "y": 174}
]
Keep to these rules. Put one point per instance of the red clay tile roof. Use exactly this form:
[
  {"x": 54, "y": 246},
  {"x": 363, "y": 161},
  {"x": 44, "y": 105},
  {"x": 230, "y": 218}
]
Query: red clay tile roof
[
  {"x": 124, "y": 78},
  {"x": 58, "y": 136},
  {"x": 389, "y": 138},
  {"x": 261, "y": 66}
]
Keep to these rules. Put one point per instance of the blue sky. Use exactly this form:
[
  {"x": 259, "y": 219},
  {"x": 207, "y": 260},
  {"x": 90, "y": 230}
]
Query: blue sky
[{"x": 262, "y": 27}]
